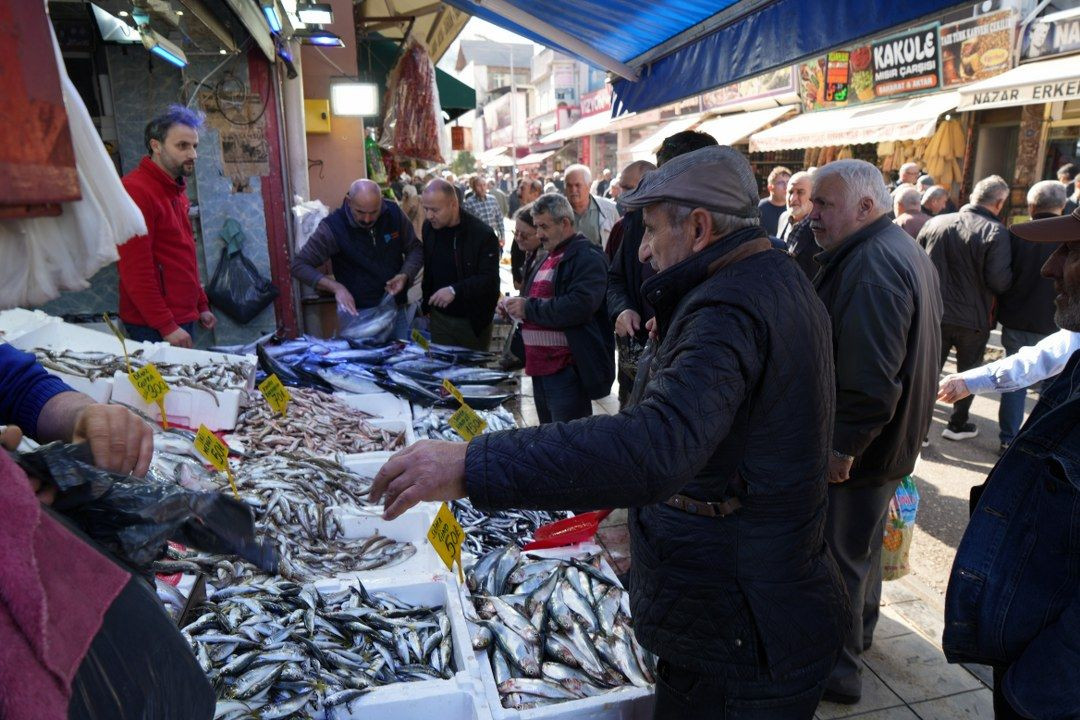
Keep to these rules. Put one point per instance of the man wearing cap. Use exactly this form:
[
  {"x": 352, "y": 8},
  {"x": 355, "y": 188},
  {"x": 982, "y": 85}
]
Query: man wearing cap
[
  {"x": 721, "y": 458},
  {"x": 1014, "y": 594}
]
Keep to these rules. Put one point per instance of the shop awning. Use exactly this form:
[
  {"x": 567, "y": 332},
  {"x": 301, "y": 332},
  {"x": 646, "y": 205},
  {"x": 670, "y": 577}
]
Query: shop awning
[
  {"x": 733, "y": 129},
  {"x": 495, "y": 157},
  {"x": 666, "y": 50},
  {"x": 1038, "y": 82},
  {"x": 871, "y": 123},
  {"x": 591, "y": 125},
  {"x": 534, "y": 158},
  {"x": 646, "y": 147}
]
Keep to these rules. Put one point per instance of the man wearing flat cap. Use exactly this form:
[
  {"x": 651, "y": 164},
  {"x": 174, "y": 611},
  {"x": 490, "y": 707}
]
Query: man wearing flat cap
[
  {"x": 721, "y": 458},
  {"x": 1014, "y": 594}
]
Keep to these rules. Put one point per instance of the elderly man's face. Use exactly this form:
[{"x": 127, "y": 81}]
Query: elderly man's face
[
  {"x": 440, "y": 209},
  {"x": 937, "y": 204},
  {"x": 909, "y": 176},
  {"x": 665, "y": 243},
  {"x": 365, "y": 208},
  {"x": 577, "y": 191},
  {"x": 550, "y": 231},
  {"x": 1063, "y": 268},
  {"x": 525, "y": 236},
  {"x": 836, "y": 214},
  {"x": 798, "y": 198}
]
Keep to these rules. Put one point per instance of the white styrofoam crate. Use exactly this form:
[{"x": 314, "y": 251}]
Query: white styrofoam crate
[
  {"x": 627, "y": 703},
  {"x": 165, "y": 353},
  {"x": 396, "y": 426},
  {"x": 410, "y": 527},
  {"x": 19, "y": 321},
  {"x": 378, "y": 405}
]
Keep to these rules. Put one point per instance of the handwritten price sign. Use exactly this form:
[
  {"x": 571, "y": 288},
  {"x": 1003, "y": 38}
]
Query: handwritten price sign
[
  {"x": 420, "y": 340},
  {"x": 276, "y": 394},
  {"x": 465, "y": 421},
  {"x": 216, "y": 452},
  {"x": 447, "y": 536},
  {"x": 149, "y": 383}
]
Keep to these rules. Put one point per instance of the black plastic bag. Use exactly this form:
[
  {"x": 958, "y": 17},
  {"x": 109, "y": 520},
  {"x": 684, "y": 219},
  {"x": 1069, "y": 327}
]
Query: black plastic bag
[
  {"x": 237, "y": 288},
  {"x": 134, "y": 519}
]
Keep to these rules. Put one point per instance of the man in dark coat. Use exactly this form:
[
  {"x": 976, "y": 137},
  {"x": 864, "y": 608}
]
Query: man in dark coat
[
  {"x": 721, "y": 460},
  {"x": 795, "y": 230},
  {"x": 882, "y": 294}
]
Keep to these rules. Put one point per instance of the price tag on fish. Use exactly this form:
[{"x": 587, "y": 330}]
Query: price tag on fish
[
  {"x": 216, "y": 452},
  {"x": 276, "y": 394},
  {"x": 420, "y": 340},
  {"x": 449, "y": 387},
  {"x": 151, "y": 387},
  {"x": 447, "y": 537},
  {"x": 467, "y": 423}
]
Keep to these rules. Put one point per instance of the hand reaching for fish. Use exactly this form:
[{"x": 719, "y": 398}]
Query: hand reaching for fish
[{"x": 428, "y": 470}]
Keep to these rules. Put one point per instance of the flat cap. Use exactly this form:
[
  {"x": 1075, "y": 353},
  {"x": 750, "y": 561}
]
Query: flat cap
[
  {"x": 717, "y": 178},
  {"x": 1062, "y": 229}
]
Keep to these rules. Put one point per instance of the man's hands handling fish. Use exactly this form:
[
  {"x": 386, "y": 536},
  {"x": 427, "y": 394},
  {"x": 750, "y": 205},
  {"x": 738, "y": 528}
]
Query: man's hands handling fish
[{"x": 428, "y": 470}]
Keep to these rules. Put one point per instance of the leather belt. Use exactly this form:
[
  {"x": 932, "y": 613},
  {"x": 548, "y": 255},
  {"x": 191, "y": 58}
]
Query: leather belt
[{"x": 703, "y": 507}]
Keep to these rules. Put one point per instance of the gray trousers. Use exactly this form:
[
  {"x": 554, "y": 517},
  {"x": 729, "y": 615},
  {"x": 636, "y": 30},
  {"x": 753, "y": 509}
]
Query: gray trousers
[{"x": 854, "y": 526}]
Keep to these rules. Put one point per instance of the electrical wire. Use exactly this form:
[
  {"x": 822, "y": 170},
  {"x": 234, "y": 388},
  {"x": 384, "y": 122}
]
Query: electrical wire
[{"x": 240, "y": 51}]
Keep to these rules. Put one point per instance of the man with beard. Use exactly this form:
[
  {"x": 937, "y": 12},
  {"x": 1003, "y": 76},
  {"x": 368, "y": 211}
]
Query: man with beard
[
  {"x": 161, "y": 295},
  {"x": 795, "y": 230},
  {"x": 1014, "y": 594},
  {"x": 373, "y": 250}
]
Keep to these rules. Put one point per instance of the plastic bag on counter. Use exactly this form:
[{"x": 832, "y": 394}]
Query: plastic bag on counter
[
  {"x": 370, "y": 326},
  {"x": 134, "y": 519},
  {"x": 237, "y": 288}
]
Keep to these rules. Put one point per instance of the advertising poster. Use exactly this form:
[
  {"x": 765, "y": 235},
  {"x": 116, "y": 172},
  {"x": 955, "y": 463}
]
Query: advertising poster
[
  {"x": 977, "y": 48},
  {"x": 1054, "y": 34},
  {"x": 907, "y": 62},
  {"x": 836, "y": 76}
]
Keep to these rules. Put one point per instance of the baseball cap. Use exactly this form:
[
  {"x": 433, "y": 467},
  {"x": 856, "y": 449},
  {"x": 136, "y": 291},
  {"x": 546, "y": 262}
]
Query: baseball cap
[
  {"x": 717, "y": 178},
  {"x": 1063, "y": 229}
]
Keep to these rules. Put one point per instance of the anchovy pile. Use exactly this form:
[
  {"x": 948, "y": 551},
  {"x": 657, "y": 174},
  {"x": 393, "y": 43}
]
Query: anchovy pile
[
  {"x": 315, "y": 422},
  {"x": 274, "y": 649},
  {"x": 487, "y": 531},
  {"x": 435, "y": 424},
  {"x": 90, "y": 364},
  {"x": 555, "y": 630}
]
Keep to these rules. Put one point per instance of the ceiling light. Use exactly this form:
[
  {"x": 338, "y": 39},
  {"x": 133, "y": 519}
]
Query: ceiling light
[
  {"x": 269, "y": 9},
  {"x": 223, "y": 51},
  {"x": 179, "y": 13},
  {"x": 113, "y": 29},
  {"x": 123, "y": 13},
  {"x": 354, "y": 98},
  {"x": 323, "y": 38},
  {"x": 315, "y": 13},
  {"x": 163, "y": 48}
]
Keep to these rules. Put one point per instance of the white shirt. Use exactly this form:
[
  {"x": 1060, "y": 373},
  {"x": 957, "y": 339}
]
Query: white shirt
[{"x": 1028, "y": 366}]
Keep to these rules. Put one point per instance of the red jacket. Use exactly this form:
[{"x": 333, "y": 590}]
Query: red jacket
[{"x": 159, "y": 274}]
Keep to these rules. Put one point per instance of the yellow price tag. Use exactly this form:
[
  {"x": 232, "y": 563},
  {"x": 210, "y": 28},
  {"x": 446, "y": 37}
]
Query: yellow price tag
[
  {"x": 449, "y": 387},
  {"x": 467, "y": 423},
  {"x": 276, "y": 394},
  {"x": 216, "y": 452},
  {"x": 447, "y": 537},
  {"x": 148, "y": 381},
  {"x": 420, "y": 340}
]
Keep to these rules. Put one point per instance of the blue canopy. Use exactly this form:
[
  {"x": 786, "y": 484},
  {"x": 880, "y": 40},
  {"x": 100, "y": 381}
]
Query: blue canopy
[{"x": 666, "y": 50}]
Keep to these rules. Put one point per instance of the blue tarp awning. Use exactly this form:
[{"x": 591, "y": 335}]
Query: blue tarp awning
[{"x": 666, "y": 50}]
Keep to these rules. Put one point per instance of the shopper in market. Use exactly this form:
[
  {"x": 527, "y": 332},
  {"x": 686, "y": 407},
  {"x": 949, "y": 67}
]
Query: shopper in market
[
  {"x": 1026, "y": 309},
  {"x": 909, "y": 174},
  {"x": 795, "y": 230},
  {"x": 485, "y": 206},
  {"x": 907, "y": 206},
  {"x": 529, "y": 189},
  {"x": 1013, "y": 600},
  {"x": 161, "y": 295},
  {"x": 603, "y": 183},
  {"x": 461, "y": 270},
  {"x": 773, "y": 206},
  {"x": 569, "y": 347},
  {"x": 924, "y": 183},
  {"x": 935, "y": 201},
  {"x": 593, "y": 216},
  {"x": 882, "y": 294},
  {"x": 972, "y": 254},
  {"x": 721, "y": 459},
  {"x": 372, "y": 249},
  {"x": 500, "y": 197},
  {"x": 1069, "y": 176}
]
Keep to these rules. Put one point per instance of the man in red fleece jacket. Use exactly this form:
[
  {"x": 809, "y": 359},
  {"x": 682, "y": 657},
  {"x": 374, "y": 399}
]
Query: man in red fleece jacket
[{"x": 161, "y": 295}]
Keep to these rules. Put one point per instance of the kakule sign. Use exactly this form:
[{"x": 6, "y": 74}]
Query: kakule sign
[{"x": 907, "y": 62}]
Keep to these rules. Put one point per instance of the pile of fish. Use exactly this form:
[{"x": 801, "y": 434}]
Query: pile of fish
[
  {"x": 435, "y": 424},
  {"x": 89, "y": 364},
  {"x": 487, "y": 531},
  {"x": 554, "y": 629},
  {"x": 274, "y": 649},
  {"x": 314, "y": 423}
]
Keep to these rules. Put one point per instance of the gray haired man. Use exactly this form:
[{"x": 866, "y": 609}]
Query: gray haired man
[
  {"x": 882, "y": 294},
  {"x": 593, "y": 216}
]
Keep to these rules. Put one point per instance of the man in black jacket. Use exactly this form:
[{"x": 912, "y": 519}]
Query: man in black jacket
[
  {"x": 970, "y": 250},
  {"x": 882, "y": 294},
  {"x": 569, "y": 349},
  {"x": 372, "y": 249},
  {"x": 795, "y": 230},
  {"x": 721, "y": 460},
  {"x": 461, "y": 270}
]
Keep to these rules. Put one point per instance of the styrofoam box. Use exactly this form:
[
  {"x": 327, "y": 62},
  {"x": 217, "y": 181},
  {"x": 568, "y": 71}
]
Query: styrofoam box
[
  {"x": 19, "y": 321},
  {"x": 188, "y": 406},
  {"x": 410, "y": 527},
  {"x": 378, "y": 405},
  {"x": 459, "y": 698},
  {"x": 628, "y": 703},
  {"x": 65, "y": 336}
]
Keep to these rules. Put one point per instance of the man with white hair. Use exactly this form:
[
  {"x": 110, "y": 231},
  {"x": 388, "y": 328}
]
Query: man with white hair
[
  {"x": 593, "y": 216},
  {"x": 603, "y": 183},
  {"x": 882, "y": 294},
  {"x": 909, "y": 174},
  {"x": 971, "y": 251},
  {"x": 935, "y": 200},
  {"x": 795, "y": 230},
  {"x": 907, "y": 205}
]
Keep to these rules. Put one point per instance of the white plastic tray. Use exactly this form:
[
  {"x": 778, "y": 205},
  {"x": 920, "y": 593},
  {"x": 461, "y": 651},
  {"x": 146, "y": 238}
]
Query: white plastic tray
[
  {"x": 19, "y": 321},
  {"x": 410, "y": 527},
  {"x": 378, "y": 405}
]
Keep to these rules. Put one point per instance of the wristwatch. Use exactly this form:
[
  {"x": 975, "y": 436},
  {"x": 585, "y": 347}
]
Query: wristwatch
[{"x": 841, "y": 456}]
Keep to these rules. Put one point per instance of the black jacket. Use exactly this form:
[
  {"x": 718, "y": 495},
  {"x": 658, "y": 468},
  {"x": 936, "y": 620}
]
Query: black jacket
[
  {"x": 580, "y": 310},
  {"x": 1029, "y": 304},
  {"x": 626, "y": 275},
  {"x": 741, "y": 382},
  {"x": 882, "y": 294},
  {"x": 477, "y": 256},
  {"x": 970, "y": 250},
  {"x": 802, "y": 246}
]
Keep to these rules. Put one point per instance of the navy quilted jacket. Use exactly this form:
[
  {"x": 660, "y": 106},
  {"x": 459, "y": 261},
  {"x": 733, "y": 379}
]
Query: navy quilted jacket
[{"x": 742, "y": 381}]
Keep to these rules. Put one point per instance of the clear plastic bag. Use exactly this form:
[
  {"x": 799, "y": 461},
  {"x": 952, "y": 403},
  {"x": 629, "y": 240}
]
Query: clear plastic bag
[{"x": 370, "y": 326}]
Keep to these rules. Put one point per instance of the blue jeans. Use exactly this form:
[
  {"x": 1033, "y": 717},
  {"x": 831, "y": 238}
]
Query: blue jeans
[
  {"x": 560, "y": 397},
  {"x": 1011, "y": 408},
  {"x": 145, "y": 333}
]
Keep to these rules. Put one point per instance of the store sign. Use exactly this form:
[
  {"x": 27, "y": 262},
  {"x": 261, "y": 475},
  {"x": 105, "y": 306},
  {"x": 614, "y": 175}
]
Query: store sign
[
  {"x": 978, "y": 48},
  {"x": 907, "y": 62},
  {"x": 596, "y": 102},
  {"x": 1054, "y": 36},
  {"x": 1059, "y": 91},
  {"x": 771, "y": 84},
  {"x": 837, "y": 65}
]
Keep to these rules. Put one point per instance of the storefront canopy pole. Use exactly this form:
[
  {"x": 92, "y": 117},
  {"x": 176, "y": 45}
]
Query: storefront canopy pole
[{"x": 558, "y": 37}]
